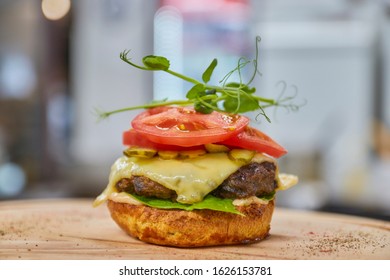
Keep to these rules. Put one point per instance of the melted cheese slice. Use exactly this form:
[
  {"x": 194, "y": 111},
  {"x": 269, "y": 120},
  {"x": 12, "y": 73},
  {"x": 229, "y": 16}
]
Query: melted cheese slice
[{"x": 192, "y": 179}]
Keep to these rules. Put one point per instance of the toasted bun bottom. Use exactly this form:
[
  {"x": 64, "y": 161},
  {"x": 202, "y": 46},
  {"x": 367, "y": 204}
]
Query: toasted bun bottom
[{"x": 195, "y": 228}]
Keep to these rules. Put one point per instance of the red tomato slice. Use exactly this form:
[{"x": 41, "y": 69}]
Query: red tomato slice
[
  {"x": 183, "y": 126},
  {"x": 134, "y": 138},
  {"x": 253, "y": 139}
]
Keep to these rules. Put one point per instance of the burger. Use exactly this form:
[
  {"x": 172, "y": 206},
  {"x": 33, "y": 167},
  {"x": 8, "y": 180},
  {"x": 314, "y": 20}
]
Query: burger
[
  {"x": 193, "y": 179},
  {"x": 194, "y": 172}
]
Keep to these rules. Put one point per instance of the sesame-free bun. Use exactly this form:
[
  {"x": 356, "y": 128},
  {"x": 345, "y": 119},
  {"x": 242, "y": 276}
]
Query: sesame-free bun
[{"x": 197, "y": 228}]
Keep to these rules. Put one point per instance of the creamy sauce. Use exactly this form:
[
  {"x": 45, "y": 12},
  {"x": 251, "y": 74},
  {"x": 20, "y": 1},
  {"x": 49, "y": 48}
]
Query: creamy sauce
[
  {"x": 249, "y": 201},
  {"x": 123, "y": 197}
]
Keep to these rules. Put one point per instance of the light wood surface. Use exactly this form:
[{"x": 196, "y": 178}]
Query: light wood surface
[{"x": 73, "y": 229}]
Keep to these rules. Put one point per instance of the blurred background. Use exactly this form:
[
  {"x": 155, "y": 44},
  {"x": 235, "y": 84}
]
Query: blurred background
[{"x": 59, "y": 61}]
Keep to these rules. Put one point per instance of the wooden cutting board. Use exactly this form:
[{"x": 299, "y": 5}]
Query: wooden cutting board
[{"x": 72, "y": 229}]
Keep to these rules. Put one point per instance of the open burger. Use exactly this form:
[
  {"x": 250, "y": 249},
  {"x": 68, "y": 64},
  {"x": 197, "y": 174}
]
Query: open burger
[{"x": 189, "y": 179}]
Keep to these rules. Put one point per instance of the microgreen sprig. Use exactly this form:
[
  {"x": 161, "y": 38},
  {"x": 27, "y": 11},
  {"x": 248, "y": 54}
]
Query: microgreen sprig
[{"x": 230, "y": 97}]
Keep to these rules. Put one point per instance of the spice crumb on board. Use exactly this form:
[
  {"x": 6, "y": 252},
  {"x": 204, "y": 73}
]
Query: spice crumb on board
[
  {"x": 336, "y": 241},
  {"x": 332, "y": 244}
]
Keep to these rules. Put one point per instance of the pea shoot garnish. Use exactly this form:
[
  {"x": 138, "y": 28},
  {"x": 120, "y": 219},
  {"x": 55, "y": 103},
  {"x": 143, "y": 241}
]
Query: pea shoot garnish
[{"x": 230, "y": 97}]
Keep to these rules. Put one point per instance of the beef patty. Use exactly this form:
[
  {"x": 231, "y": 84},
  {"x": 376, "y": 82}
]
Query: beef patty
[{"x": 254, "y": 179}]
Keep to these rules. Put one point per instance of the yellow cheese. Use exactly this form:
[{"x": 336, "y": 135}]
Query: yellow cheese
[
  {"x": 286, "y": 181},
  {"x": 192, "y": 179}
]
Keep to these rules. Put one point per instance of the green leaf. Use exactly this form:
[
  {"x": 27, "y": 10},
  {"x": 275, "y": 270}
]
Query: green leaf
[
  {"x": 201, "y": 108},
  {"x": 209, "y": 202},
  {"x": 156, "y": 62},
  {"x": 268, "y": 197},
  {"x": 209, "y": 71},
  {"x": 195, "y": 91},
  {"x": 246, "y": 103},
  {"x": 231, "y": 105}
]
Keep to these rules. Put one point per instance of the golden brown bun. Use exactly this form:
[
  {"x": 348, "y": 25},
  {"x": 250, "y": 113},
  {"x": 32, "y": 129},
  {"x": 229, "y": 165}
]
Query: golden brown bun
[{"x": 195, "y": 228}]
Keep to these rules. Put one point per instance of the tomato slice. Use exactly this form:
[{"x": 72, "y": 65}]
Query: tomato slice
[
  {"x": 134, "y": 138},
  {"x": 253, "y": 139},
  {"x": 183, "y": 126}
]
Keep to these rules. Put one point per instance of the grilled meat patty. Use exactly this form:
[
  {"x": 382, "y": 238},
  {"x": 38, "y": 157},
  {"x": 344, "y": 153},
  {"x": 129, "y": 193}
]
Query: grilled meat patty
[
  {"x": 254, "y": 179},
  {"x": 144, "y": 186}
]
